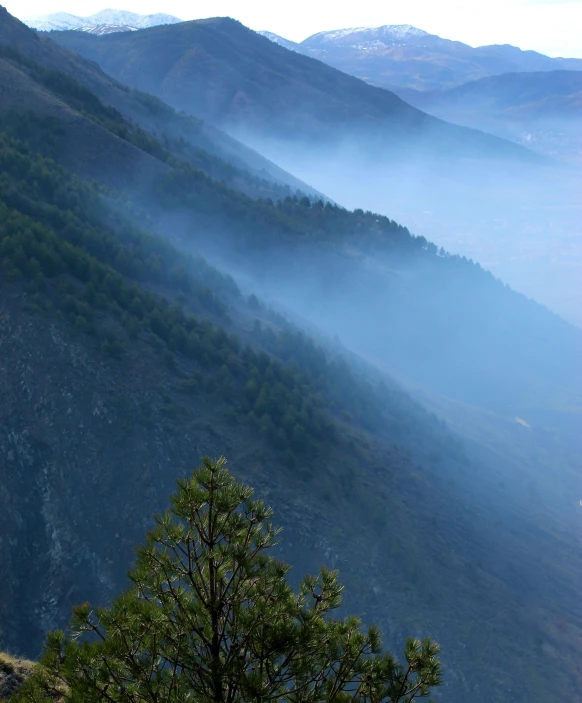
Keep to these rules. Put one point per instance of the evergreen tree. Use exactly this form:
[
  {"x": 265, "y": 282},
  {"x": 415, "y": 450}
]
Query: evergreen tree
[{"x": 210, "y": 617}]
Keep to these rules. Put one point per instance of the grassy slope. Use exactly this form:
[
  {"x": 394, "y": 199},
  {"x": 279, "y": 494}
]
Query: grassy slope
[{"x": 13, "y": 672}]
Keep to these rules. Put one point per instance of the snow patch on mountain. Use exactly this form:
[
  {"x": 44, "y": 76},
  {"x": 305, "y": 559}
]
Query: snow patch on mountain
[
  {"x": 121, "y": 17},
  {"x": 390, "y": 32},
  {"x": 338, "y": 33},
  {"x": 108, "y": 29},
  {"x": 58, "y": 20},
  {"x": 401, "y": 31}
]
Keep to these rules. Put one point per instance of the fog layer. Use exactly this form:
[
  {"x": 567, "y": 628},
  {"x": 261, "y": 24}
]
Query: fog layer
[{"x": 522, "y": 222}]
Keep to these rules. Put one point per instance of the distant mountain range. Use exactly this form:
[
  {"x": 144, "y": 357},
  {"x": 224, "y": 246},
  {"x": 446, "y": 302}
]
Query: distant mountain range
[
  {"x": 102, "y": 22},
  {"x": 523, "y": 96},
  {"x": 391, "y": 56},
  {"x": 233, "y": 77},
  {"x": 403, "y": 56},
  {"x": 361, "y": 145},
  {"x": 446, "y": 79}
]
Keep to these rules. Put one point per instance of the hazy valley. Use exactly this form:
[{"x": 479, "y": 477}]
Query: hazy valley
[{"x": 326, "y": 127}]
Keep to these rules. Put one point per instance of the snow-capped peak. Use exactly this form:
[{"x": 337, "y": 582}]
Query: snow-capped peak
[
  {"x": 104, "y": 18},
  {"x": 122, "y": 17},
  {"x": 391, "y": 32}
]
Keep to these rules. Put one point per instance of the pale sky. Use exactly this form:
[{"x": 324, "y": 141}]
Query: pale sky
[{"x": 553, "y": 27}]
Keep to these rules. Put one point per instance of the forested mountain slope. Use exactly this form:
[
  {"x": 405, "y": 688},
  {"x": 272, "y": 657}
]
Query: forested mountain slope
[
  {"x": 406, "y": 285},
  {"x": 125, "y": 361}
]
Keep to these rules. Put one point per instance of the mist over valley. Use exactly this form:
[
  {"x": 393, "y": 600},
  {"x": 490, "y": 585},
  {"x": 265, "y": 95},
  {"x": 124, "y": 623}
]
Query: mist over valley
[{"x": 482, "y": 197}]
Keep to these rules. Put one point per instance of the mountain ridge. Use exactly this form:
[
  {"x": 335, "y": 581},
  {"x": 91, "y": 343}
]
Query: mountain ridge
[
  {"x": 152, "y": 114},
  {"x": 407, "y": 57},
  {"x": 246, "y": 85}
]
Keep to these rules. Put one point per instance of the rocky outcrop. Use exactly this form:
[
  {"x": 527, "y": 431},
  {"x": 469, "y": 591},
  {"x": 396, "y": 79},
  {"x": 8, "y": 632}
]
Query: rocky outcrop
[{"x": 13, "y": 673}]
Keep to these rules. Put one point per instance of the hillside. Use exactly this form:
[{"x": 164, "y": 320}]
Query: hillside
[
  {"x": 70, "y": 123},
  {"x": 514, "y": 96},
  {"x": 401, "y": 56},
  {"x": 205, "y": 145},
  {"x": 128, "y": 360},
  {"x": 235, "y": 78},
  {"x": 541, "y": 110},
  {"x": 129, "y": 355},
  {"x": 13, "y": 673}
]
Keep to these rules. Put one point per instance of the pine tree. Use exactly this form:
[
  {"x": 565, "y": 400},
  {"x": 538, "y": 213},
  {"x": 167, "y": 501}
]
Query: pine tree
[{"x": 211, "y": 617}]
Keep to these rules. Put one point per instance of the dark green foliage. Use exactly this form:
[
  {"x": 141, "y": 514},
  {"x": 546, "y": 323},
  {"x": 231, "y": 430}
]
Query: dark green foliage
[
  {"x": 44, "y": 193},
  {"x": 53, "y": 227},
  {"x": 74, "y": 94},
  {"x": 42, "y": 133},
  {"x": 210, "y": 617},
  {"x": 264, "y": 221}
]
